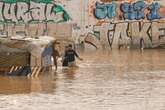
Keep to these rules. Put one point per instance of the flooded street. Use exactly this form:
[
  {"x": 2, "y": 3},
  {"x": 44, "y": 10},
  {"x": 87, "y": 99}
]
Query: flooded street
[{"x": 114, "y": 80}]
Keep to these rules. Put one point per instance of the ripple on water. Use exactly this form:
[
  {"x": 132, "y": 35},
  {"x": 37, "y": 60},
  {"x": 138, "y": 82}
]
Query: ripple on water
[{"x": 104, "y": 81}]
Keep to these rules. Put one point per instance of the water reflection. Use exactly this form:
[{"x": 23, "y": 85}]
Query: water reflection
[
  {"x": 14, "y": 85},
  {"x": 106, "y": 80},
  {"x": 24, "y": 85},
  {"x": 43, "y": 84},
  {"x": 69, "y": 73}
]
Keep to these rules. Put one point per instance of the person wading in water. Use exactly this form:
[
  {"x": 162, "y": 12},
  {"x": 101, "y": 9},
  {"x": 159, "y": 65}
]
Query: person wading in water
[
  {"x": 55, "y": 53},
  {"x": 69, "y": 57}
]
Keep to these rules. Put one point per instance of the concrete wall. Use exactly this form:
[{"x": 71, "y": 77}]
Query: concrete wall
[
  {"x": 130, "y": 23},
  {"x": 101, "y": 23}
]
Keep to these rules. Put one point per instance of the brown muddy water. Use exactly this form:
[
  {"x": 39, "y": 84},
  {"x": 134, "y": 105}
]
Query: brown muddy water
[{"x": 114, "y": 80}]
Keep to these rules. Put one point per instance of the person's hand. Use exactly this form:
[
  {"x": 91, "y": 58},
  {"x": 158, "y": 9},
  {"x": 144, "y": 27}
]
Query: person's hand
[{"x": 80, "y": 59}]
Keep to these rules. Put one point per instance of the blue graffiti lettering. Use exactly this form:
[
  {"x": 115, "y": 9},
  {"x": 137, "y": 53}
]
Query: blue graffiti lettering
[
  {"x": 139, "y": 8},
  {"x": 100, "y": 11},
  {"x": 133, "y": 11},
  {"x": 154, "y": 7},
  {"x": 105, "y": 10}
]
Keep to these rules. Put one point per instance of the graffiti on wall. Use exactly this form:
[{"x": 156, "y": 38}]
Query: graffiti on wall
[
  {"x": 130, "y": 24},
  {"x": 105, "y": 10},
  {"x": 134, "y": 34},
  {"x": 31, "y": 11},
  {"x": 130, "y": 11}
]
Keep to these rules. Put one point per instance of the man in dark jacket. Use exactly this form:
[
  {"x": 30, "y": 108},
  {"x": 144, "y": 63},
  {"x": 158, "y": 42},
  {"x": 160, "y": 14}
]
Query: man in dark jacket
[{"x": 70, "y": 56}]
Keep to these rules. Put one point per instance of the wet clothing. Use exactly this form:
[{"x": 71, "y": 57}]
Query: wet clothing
[
  {"x": 72, "y": 64},
  {"x": 65, "y": 62},
  {"x": 46, "y": 56},
  {"x": 69, "y": 57}
]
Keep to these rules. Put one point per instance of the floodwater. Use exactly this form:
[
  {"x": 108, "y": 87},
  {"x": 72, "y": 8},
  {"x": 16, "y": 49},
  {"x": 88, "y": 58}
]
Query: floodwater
[{"x": 114, "y": 80}]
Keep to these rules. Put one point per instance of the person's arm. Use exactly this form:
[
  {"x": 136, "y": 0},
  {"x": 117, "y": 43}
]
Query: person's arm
[
  {"x": 77, "y": 55},
  {"x": 57, "y": 53}
]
